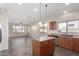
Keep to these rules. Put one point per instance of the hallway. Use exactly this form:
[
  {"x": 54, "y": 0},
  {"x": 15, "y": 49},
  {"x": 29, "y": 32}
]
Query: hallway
[{"x": 22, "y": 46}]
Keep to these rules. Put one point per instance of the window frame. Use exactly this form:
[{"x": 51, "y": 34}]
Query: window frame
[
  {"x": 67, "y": 27},
  {"x": 17, "y": 27},
  {"x": 43, "y": 28}
]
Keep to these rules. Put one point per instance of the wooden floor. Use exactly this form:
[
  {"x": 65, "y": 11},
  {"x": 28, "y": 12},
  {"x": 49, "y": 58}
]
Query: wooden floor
[{"x": 22, "y": 46}]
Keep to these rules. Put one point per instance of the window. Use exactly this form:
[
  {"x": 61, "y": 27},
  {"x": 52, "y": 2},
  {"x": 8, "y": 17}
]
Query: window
[
  {"x": 18, "y": 29},
  {"x": 43, "y": 28},
  {"x": 28, "y": 29},
  {"x": 62, "y": 27},
  {"x": 73, "y": 27},
  {"x": 69, "y": 27}
]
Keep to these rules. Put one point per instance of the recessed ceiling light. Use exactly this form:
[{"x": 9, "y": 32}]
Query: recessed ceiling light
[
  {"x": 20, "y": 3},
  {"x": 65, "y": 11},
  {"x": 35, "y": 9},
  {"x": 0, "y": 26},
  {"x": 67, "y": 3},
  {"x": 40, "y": 23}
]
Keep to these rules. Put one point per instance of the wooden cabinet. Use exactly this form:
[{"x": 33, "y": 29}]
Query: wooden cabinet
[
  {"x": 76, "y": 45},
  {"x": 66, "y": 42},
  {"x": 69, "y": 43},
  {"x": 63, "y": 41},
  {"x": 52, "y": 25},
  {"x": 35, "y": 48},
  {"x": 43, "y": 48},
  {"x": 60, "y": 43}
]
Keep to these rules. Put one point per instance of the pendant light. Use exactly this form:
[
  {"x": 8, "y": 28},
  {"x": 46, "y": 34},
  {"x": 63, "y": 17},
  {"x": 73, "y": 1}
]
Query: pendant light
[
  {"x": 46, "y": 15},
  {"x": 40, "y": 15},
  {"x": 46, "y": 11}
]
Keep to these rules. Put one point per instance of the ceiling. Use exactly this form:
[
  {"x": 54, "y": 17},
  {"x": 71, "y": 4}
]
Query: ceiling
[{"x": 25, "y": 12}]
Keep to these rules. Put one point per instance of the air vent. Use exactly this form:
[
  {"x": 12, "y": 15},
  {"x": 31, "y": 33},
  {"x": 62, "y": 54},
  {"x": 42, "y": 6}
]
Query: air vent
[{"x": 29, "y": 17}]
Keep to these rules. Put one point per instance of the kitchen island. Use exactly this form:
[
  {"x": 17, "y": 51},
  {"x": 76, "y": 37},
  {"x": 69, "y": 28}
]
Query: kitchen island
[{"x": 43, "y": 46}]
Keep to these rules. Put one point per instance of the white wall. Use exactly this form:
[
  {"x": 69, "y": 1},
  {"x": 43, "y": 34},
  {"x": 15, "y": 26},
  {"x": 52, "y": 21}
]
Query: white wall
[
  {"x": 34, "y": 30},
  {"x": 4, "y": 28}
]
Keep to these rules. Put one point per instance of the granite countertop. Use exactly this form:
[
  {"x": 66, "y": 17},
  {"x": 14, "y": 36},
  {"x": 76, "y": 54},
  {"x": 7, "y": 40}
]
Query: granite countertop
[
  {"x": 73, "y": 36},
  {"x": 43, "y": 38}
]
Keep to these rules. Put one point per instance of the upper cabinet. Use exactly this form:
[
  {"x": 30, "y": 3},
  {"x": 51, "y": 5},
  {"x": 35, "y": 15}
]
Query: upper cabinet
[{"x": 52, "y": 25}]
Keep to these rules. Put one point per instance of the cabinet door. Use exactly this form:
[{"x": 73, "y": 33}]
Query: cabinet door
[
  {"x": 63, "y": 42},
  {"x": 43, "y": 48},
  {"x": 35, "y": 48},
  {"x": 47, "y": 47},
  {"x": 52, "y": 25},
  {"x": 70, "y": 43},
  {"x": 60, "y": 41},
  {"x": 76, "y": 45}
]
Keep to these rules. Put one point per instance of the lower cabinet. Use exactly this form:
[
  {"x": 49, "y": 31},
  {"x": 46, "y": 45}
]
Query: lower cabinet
[
  {"x": 69, "y": 43},
  {"x": 43, "y": 48},
  {"x": 76, "y": 45},
  {"x": 65, "y": 43},
  {"x": 62, "y": 42},
  {"x": 60, "y": 39}
]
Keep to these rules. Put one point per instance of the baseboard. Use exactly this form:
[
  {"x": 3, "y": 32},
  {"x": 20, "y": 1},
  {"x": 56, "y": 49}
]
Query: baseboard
[
  {"x": 17, "y": 36},
  {"x": 3, "y": 49}
]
